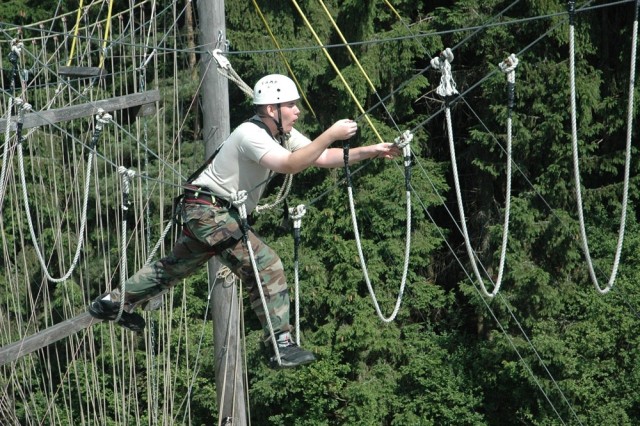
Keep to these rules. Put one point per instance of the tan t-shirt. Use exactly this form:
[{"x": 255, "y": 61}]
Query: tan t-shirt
[{"x": 237, "y": 165}]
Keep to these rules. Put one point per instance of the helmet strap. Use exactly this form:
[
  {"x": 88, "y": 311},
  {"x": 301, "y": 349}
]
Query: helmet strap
[{"x": 278, "y": 121}]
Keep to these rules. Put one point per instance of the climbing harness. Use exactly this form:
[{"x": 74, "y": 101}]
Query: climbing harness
[
  {"x": 576, "y": 161},
  {"x": 447, "y": 89}
]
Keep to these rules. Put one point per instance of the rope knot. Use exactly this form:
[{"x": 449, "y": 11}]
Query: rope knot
[
  {"x": 508, "y": 66},
  {"x": 16, "y": 46},
  {"x": 296, "y": 214},
  {"x": 404, "y": 139},
  {"x": 26, "y": 107},
  {"x": 238, "y": 198},
  {"x": 226, "y": 274},
  {"x": 103, "y": 117},
  {"x": 127, "y": 176},
  {"x": 442, "y": 62}
]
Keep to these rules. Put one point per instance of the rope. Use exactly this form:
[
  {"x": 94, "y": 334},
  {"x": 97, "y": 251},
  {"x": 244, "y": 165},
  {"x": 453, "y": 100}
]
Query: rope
[
  {"x": 576, "y": 161},
  {"x": 102, "y": 118},
  {"x": 238, "y": 199},
  {"x": 126, "y": 176},
  {"x": 447, "y": 89},
  {"x": 338, "y": 72},
  {"x": 403, "y": 143},
  {"x": 283, "y": 57},
  {"x": 225, "y": 69},
  {"x": 76, "y": 29},
  {"x": 357, "y": 62},
  {"x": 296, "y": 214},
  {"x": 16, "y": 50}
]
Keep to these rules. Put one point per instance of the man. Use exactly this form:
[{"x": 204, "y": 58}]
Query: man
[{"x": 212, "y": 226}]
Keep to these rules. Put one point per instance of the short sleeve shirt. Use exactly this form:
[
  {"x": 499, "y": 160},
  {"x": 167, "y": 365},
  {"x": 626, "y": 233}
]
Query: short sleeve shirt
[{"x": 237, "y": 167}]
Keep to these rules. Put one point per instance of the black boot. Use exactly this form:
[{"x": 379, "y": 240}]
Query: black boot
[
  {"x": 108, "y": 310},
  {"x": 291, "y": 355}
]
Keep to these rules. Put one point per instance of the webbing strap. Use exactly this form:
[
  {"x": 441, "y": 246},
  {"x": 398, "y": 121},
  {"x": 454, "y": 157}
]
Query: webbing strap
[{"x": 206, "y": 164}]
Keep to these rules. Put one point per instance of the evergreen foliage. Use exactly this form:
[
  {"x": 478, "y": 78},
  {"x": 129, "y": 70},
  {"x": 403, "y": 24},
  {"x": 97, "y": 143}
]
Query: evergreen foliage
[{"x": 547, "y": 350}]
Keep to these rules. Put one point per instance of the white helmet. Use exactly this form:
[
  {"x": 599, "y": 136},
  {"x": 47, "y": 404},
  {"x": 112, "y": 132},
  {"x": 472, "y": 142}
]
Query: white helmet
[{"x": 274, "y": 89}]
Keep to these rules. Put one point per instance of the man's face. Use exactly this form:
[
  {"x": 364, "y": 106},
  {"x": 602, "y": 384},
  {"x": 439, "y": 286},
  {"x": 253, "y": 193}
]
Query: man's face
[{"x": 289, "y": 113}]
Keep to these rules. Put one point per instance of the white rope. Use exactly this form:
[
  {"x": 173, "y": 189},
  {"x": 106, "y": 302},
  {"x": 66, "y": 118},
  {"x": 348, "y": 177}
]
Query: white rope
[
  {"x": 101, "y": 118},
  {"x": 442, "y": 62},
  {"x": 238, "y": 199},
  {"x": 296, "y": 214},
  {"x": 627, "y": 159},
  {"x": 16, "y": 50},
  {"x": 508, "y": 66},
  {"x": 403, "y": 143},
  {"x": 126, "y": 176},
  {"x": 5, "y": 152},
  {"x": 282, "y": 195},
  {"x": 225, "y": 69}
]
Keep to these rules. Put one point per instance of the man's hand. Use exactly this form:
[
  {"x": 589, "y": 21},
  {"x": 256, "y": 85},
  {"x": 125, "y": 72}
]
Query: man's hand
[
  {"x": 342, "y": 129},
  {"x": 386, "y": 150}
]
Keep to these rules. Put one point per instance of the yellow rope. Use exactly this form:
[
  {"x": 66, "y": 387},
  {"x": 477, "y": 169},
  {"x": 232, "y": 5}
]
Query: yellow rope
[
  {"x": 393, "y": 10},
  {"x": 335, "y": 67},
  {"x": 106, "y": 34},
  {"x": 76, "y": 28},
  {"x": 353, "y": 56},
  {"x": 275, "y": 42}
]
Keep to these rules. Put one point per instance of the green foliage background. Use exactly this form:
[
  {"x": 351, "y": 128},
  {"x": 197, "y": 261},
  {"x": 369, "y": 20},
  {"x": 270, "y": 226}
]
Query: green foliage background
[{"x": 548, "y": 349}]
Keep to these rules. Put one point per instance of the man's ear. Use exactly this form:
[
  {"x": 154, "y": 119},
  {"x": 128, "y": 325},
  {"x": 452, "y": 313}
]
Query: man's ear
[{"x": 271, "y": 110}]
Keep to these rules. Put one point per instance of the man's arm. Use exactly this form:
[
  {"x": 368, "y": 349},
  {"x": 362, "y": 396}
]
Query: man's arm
[
  {"x": 283, "y": 161},
  {"x": 334, "y": 157}
]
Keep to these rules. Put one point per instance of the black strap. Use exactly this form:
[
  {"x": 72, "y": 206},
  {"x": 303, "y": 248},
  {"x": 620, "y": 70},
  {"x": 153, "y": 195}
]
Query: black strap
[{"x": 197, "y": 173}]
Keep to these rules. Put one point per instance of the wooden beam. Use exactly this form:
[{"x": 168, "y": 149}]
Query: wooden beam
[
  {"x": 81, "y": 72},
  {"x": 52, "y": 116},
  {"x": 13, "y": 351},
  {"x": 45, "y": 337}
]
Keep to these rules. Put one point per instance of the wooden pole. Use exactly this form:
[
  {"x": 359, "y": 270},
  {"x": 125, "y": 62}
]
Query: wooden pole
[{"x": 216, "y": 127}]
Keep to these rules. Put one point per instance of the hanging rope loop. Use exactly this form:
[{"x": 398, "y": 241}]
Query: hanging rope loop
[
  {"x": 447, "y": 87},
  {"x": 238, "y": 200},
  {"x": 126, "y": 175}
]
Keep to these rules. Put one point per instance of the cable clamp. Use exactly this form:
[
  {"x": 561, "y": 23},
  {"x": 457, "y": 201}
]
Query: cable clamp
[{"x": 222, "y": 61}]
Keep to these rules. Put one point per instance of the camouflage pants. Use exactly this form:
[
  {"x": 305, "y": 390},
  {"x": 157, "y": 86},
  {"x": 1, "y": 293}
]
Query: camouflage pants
[{"x": 215, "y": 231}]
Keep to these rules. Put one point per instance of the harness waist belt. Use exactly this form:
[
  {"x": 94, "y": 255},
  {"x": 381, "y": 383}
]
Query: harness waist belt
[
  {"x": 195, "y": 194},
  {"x": 199, "y": 195}
]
